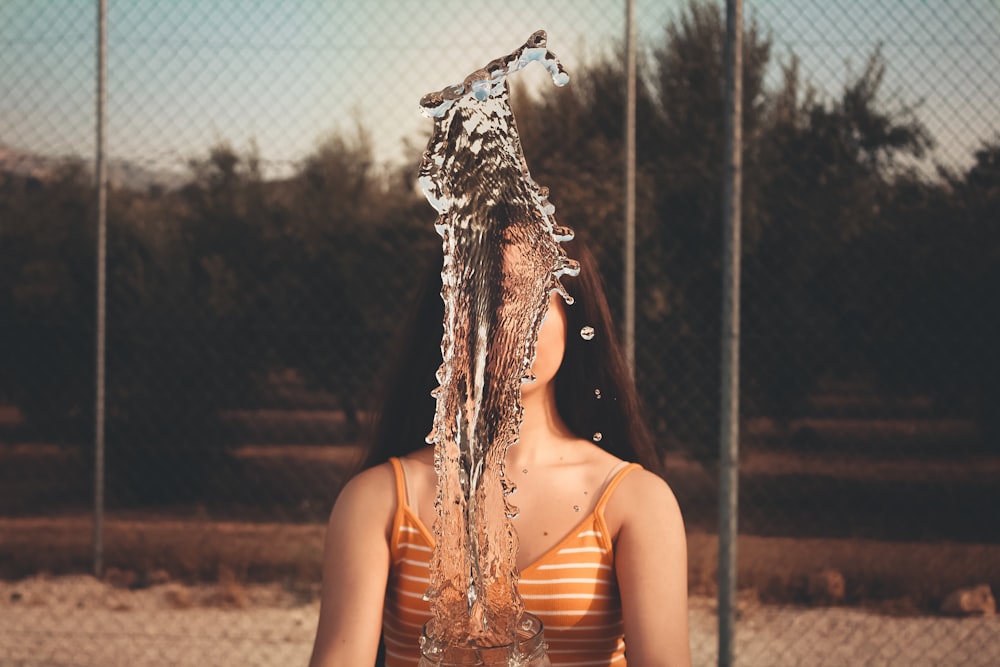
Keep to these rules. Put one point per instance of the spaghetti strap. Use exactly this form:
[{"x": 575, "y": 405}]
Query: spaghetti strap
[
  {"x": 611, "y": 473},
  {"x": 397, "y": 469},
  {"x": 399, "y": 516},
  {"x": 615, "y": 478}
]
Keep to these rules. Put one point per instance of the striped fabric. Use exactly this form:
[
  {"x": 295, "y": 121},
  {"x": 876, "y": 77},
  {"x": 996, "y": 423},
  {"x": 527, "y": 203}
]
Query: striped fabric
[{"x": 571, "y": 588}]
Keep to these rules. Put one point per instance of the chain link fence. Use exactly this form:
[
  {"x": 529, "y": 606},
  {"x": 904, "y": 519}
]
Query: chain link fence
[{"x": 264, "y": 235}]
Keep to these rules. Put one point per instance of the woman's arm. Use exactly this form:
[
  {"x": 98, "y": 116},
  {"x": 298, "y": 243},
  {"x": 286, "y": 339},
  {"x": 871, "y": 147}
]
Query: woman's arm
[
  {"x": 355, "y": 571},
  {"x": 651, "y": 566}
]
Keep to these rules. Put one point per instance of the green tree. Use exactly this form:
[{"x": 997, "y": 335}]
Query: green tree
[
  {"x": 186, "y": 325},
  {"x": 827, "y": 169},
  {"x": 47, "y": 295},
  {"x": 932, "y": 318},
  {"x": 681, "y": 310},
  {"x": 364, "y": 234}
]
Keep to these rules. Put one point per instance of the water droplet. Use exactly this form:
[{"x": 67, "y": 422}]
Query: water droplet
[
  {"x": 524, "y": 471},
  {"x": 567, "y": 299},
  {"x": 576, "y": 508},
  {"x": 597, "y": 394},
  {"x": 571, "y": 268},
  {"x": 513, "y": 515},
  {"x": 562, "y": 233},
  {"x": 481, "y": 88},
  {"x": 598, "y": 436},
  {"x": 527, "y": 625},
  {"x": 587, "y": 332}
]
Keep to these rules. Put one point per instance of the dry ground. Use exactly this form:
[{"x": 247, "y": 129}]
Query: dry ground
[
  {"x": 80, "y": 622},
  {"x": 908, "y": 577},
  {"x": 904, "y": 531}
]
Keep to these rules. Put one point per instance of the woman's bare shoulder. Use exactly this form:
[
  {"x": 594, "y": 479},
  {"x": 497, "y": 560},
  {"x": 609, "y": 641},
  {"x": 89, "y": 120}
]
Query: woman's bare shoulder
[
  {"x": 640, "y": 493},
  {"x": 371, "y": 492},
  {"x": 643, "y": 484}
]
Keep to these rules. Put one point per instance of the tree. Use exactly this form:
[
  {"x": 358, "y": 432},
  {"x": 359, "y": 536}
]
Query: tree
[
  {"x": 365, "y": 235},
  {"x": 47, "y": 301},
  {"x": 187, "y": 323},
  {"x": 826, "y": 171},
  {"x": 681, "y": 311},
  {"x": 933, "y": 320}
]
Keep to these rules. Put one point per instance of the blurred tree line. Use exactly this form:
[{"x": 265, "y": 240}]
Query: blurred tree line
[{"x": 858, "y": 263}]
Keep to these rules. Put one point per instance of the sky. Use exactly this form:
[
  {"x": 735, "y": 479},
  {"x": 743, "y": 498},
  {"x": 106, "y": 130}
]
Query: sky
[{"x": 283, "y": 74}]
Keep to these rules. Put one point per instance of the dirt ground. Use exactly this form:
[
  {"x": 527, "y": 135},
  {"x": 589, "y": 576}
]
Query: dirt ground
[
  {"x": 214, "y": 586},
  {"x": 910, "y": 577},
  {"x": 80, "y": 622}
]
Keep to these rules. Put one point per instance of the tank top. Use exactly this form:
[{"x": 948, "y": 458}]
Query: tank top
[{"x": 571, "y": 588}]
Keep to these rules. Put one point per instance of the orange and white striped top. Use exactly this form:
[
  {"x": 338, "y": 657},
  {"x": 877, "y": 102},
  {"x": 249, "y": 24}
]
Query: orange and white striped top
[{"x": 571, "y": 588}]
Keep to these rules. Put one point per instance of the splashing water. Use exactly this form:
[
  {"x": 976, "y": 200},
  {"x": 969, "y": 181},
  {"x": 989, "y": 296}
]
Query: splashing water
[{"x": 502, "y": 259}]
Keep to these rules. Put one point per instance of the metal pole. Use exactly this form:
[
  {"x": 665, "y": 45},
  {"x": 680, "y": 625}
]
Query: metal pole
[
  {"x": 730, "y": 408},
  {"x": 102, "y": 214},
  {"x": 630, "y": 84}
]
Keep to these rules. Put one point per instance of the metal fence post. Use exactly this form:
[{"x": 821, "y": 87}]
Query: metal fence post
[
  {"x": 100, "y": 168},
  {"x": 629, "y": 245},
  {"x": 729, "y": 412}
]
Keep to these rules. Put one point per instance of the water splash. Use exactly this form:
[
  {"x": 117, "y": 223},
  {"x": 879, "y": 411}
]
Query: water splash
[{"x": 502, "y": 259}]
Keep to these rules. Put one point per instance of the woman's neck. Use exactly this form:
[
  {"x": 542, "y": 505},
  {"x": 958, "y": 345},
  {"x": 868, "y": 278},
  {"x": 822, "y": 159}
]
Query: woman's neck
[{"x": 542, "y": 429}]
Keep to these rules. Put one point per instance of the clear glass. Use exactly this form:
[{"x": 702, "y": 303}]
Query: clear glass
[{"x": 527, "y": 651}]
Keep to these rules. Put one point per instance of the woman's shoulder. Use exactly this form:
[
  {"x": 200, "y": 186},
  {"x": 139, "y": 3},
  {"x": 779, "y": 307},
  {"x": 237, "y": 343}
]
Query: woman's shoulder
[
  {"x": 640, "y": 482},
  {"x": 371, "y": 491},
  {"x": 371, "y": 479},
  {"x": 639, "y": 493},
  {"x": 378, "y": 487}
]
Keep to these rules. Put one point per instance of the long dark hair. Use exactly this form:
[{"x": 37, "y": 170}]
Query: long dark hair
[{"x": 594, "y": 392}]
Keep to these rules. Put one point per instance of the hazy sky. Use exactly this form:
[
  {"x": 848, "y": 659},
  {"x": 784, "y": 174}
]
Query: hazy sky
[{"x": 184, "y": 74}]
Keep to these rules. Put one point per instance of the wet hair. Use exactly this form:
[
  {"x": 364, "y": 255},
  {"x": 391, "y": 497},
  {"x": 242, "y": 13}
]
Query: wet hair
[{"x": 406, "y": 411}]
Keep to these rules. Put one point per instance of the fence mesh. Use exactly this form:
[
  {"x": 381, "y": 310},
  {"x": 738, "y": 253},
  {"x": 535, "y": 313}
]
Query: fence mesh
[{"x": 265, "y": 236}]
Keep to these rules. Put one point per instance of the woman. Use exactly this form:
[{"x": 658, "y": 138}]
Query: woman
[{"x": 602, "y": 551}]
